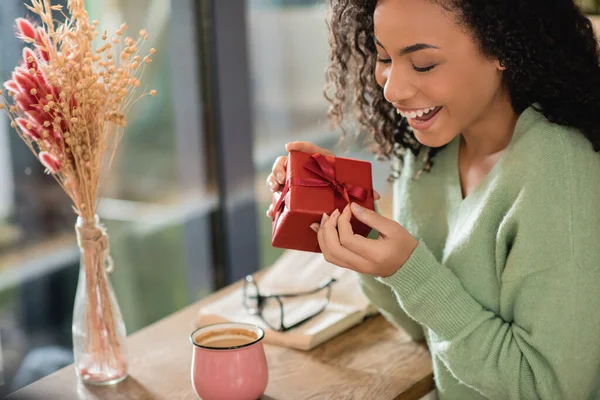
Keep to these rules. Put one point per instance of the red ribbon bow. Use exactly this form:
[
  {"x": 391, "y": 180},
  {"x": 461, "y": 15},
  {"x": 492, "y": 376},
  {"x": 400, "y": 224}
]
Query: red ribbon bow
[{"x": 325, "y": 170}]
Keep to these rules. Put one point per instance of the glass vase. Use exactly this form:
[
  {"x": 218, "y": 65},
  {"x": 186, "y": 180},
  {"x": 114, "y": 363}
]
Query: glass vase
[{"x": 99, "y": 334}]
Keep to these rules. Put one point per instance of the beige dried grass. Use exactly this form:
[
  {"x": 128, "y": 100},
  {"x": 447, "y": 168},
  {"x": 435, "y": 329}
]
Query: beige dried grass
[{"x": 69, "y": 102}]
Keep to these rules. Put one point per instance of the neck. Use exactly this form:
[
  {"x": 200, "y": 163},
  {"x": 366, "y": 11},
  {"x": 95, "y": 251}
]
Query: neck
[{"x": 492, "y": 132}]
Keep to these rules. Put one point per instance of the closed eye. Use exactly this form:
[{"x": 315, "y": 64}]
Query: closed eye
[
  {"x": 425, "y": 69},
  {"x": 384, "y": 60}
]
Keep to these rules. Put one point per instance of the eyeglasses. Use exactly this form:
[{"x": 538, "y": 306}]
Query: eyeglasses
[{"x": 271, "y": 307}]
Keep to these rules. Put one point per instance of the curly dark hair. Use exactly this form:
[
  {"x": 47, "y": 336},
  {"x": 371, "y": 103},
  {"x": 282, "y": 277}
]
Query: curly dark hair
[{"x": 548, "y": 48}]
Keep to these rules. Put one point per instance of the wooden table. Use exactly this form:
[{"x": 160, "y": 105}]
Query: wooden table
[{"x": 371, "y": 361}]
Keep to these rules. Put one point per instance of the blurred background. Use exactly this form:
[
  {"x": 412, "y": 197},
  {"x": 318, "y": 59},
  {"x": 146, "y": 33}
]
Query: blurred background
[{"x": 186, "y": 201}]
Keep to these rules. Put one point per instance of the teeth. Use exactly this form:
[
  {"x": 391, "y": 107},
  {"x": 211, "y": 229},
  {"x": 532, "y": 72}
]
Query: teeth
[{"x": 416, "y": 113}]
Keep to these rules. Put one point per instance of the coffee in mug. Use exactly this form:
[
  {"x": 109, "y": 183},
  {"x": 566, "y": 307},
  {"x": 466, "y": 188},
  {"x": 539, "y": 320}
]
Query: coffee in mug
[{"x": 227, "y": 338}]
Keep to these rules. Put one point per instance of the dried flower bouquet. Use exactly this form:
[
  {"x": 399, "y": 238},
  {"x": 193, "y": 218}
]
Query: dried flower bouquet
[{"x": 69, "y": 103}]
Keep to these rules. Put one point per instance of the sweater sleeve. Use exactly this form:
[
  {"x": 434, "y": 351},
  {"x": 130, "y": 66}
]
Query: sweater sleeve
[
  {"x": 382, "y": 297},
  {"x": 550, "y": 350}
]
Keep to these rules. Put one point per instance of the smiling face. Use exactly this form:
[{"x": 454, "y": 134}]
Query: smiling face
[{"x": 426, "y": 60}]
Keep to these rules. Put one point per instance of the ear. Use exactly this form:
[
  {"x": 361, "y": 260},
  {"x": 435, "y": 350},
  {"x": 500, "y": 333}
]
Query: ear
[{"x": 500, "y": 65}]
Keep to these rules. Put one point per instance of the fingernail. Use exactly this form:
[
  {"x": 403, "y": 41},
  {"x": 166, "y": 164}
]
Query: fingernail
[
  {"x": 335, "y": 213},
  {"x": 356, "y": 208},
  {"x": 272, "y": 186},
  {"x": 279, "y": 177},
  {"x": 314, "y": 227},
  {"x": 323, "y": 219}
]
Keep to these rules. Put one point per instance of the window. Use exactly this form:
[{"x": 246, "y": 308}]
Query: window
[{"x": 157, "y": 207}]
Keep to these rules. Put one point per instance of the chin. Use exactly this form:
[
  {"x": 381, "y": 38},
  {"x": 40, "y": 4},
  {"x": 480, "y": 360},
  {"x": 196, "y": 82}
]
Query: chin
[{"x": 433, "y": 139}]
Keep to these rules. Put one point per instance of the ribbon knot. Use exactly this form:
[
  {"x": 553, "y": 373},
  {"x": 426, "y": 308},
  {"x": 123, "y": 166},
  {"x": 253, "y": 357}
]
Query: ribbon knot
[{"x": 325, "y": 170}]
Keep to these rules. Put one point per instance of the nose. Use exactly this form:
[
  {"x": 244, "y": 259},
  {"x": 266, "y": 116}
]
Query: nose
[{"x": 398, "y": 87}]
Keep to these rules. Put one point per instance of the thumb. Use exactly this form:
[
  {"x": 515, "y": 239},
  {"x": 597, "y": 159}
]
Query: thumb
[
  {"x": 307, "y": 147},
  {"x": 372, "y": 219}
]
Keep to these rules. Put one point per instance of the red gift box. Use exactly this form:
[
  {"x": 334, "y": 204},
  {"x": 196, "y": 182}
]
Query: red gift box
[{"x": 317, "y": 184}]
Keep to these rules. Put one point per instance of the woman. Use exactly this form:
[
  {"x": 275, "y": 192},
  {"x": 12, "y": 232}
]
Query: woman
[{"x": 493, "y": 255}]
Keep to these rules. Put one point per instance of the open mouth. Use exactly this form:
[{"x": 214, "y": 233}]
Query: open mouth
[{"x": 423, "y": 119}]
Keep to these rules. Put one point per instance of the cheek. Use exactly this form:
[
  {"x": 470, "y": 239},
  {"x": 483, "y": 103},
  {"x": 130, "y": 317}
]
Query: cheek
[
  {"x": 440, "y": 89},
  {"x": 478, "y": 77},
  {"x": 478, "y": 88},
  {"x": 380, "y": 74},
  {"x": 437, "y": 88},
  {"x": 465, "y": 89}
]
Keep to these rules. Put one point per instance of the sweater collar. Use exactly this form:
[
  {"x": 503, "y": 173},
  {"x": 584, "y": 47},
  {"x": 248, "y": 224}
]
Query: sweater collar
[{"x": 527, "y": 119}]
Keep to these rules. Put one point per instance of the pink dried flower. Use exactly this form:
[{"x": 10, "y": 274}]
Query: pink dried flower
[
  {"x": 26, "y": 30},
  {"x": 26, "y": 101},
  {"x": 61, "y": 104},
  {"x": 50, "y": 162},
  {"x": 43, "y": 83},
  {"x": 40, "y": 117},
  {"x": 11, "y": 86},
  {"x": 25, "y": 81},
  {"x": 32, "y": 131},
  {"x": 29, "y": 59},
  {"x": 42, "y": 44},
  {"x": 30, "y": 32}
]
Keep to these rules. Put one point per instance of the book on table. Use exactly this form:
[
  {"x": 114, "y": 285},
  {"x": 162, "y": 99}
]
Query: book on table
[{"x": 295, "y": 272}]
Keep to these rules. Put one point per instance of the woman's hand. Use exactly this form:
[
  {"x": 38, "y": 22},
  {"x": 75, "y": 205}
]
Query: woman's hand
[
  {"x": 381, "y": 257},
  {"x": 276, "y": 178}
]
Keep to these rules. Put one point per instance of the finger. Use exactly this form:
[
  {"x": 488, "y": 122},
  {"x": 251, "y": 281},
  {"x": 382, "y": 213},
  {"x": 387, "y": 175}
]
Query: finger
[
  {"x": 376, "y": 195},
  {"x": 307, "y": 147},
  {"x": 335, "y": 251},
  {"x": 278, "y": 170},
  {"x": 325, "y": 249},
  {"x": 321, "y": 239},
  {"x": 272, "y": 183},
  {"x": 270, "y": 211},
  {"x": 357, "y": 244},
  {"x": 370, "y": 218}
]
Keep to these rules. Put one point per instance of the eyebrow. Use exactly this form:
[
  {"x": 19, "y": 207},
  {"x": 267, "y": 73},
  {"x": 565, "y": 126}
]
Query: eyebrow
[{"x": 411, "y": 48}]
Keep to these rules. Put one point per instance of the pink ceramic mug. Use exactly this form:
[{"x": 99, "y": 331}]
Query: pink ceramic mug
[{"x": 229, "y": 362}]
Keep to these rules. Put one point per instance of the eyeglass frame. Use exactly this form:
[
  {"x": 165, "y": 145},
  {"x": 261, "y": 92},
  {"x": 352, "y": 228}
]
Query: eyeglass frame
[{"x": 261, "y": 300}]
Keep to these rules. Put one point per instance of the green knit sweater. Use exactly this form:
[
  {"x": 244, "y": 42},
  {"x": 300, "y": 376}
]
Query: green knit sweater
[{"x": 504, "y": 284}]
